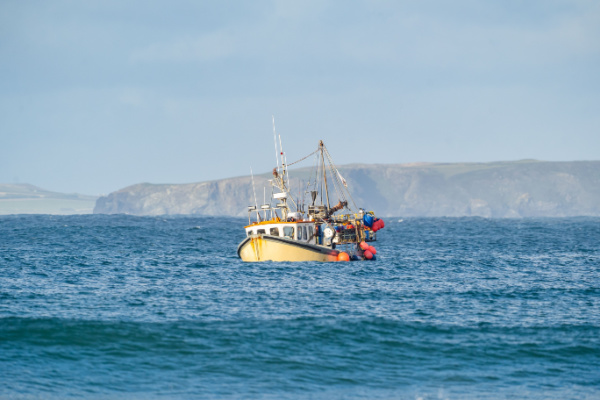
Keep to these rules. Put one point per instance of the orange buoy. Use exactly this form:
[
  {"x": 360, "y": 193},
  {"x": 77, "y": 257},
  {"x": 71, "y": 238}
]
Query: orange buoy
[
  {"x": 343, "y": 256},
  {"x": 368, "y": 255},
  {"x": 372, "y": 250},
  {"x": 364, "y": 246}
]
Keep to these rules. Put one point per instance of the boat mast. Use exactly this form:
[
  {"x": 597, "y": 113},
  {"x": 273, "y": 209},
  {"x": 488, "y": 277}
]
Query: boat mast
[
  {"x": 275, "y": 138},
  {"x": 324, "y": 173}
]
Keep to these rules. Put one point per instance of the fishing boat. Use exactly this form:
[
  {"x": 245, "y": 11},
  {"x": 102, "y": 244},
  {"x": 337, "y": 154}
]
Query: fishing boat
[{"x": 290, "y": 229}]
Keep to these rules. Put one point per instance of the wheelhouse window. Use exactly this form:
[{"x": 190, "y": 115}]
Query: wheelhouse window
[
  {"x": 249, "y": 232},
  {"x": 304, "y": 233},
  {"x": 261, "y": 231},
  {"x": 288, "y": 232},
  {"x": 274, "y": 231},
  {"x": 311, "y": 232}
]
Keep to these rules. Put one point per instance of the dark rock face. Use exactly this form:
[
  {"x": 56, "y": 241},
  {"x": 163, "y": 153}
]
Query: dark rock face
[{"x": 496, "y": 190}]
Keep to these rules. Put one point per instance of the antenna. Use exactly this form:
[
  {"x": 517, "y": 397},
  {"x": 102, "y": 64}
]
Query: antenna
[
  {"x": 282, "y": 156},
  {"x": 287, "y": 174},
  {"x": 281, "y": 148},
  {"x": 284, "y": 164}
]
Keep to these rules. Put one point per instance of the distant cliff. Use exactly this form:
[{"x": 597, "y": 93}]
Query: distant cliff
[{"x": 525, "y": 188}]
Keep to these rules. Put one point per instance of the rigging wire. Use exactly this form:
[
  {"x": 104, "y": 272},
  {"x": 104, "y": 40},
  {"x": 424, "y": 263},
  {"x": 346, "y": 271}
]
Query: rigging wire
[
  {"x": 308, "y": 184},
  {"x": 320, "y": 170},
  {"x": 337, "y": 175},
  {"x": 302, "y": 159}
]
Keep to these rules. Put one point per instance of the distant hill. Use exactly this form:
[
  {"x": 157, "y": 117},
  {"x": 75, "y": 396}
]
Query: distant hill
[
  {"x": 526, "y": 188},
  {"x": 29, "y": 199}
]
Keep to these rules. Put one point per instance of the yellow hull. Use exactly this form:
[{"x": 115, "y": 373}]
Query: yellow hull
[{"x": 272, "y": 248}]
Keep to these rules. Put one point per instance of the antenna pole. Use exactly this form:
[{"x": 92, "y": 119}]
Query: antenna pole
[
  {"x": 283, "y": 164},
  {"x": 281, "y": 150}
]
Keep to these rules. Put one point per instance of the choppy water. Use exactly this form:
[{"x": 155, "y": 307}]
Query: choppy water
[{"x": 139, "y": 307}]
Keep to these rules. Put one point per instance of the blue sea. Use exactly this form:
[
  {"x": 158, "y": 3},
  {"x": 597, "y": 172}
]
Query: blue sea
[{"x": 125, "y": 307}]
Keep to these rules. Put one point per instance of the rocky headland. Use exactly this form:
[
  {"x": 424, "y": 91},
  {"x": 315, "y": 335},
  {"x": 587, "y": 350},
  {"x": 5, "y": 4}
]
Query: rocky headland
[{"x": 526, "y": 188}]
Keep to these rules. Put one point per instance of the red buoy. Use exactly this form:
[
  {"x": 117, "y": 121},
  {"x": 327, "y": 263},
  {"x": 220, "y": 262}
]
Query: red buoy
[
  {"x": 343, "y": 256},
  {"x": 372, "y": 250},
  {"x": 368, "y": 255},
  {"x": 376, "y": 225},
  {"x": 364, "y": 245}
]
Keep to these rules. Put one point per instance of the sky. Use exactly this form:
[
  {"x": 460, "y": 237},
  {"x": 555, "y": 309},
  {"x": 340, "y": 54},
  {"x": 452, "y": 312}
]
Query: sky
[{"x": 99, "y": 95}]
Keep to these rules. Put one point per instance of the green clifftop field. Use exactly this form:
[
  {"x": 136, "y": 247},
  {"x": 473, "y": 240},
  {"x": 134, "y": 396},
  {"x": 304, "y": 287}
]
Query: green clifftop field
[
  {"x": 29, "y": 199},
  {"x": 526, "y": 188}
]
